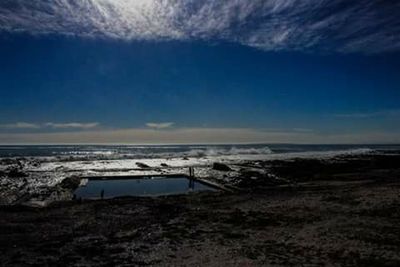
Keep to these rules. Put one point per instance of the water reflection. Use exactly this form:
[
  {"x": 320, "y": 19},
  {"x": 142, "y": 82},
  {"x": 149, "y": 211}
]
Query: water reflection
[{"x": 139, "y": 187}]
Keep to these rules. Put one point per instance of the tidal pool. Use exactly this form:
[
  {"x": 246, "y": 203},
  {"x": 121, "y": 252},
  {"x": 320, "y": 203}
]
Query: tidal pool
[{"x": 153, "y": 186}]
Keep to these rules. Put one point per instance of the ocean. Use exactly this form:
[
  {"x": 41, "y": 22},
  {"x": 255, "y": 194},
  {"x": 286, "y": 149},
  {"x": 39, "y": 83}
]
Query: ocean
[{"x": 176, "y": 151}]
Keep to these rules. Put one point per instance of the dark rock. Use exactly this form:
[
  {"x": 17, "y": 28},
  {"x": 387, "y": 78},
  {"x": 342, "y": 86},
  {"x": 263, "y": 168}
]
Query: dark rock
[
  {"x": 7, "y": 161},
  {"x": 16, "y": 172},
  {"x": 71, "y": 182},
  {"x": 254, "y": 179},
  {"x": 35, "y": 163},
  {"x": 221, "y": 167},
  {"x": 142, "y": 165},
  {"x": 251, "y": 174},
  {"x": 164, "y": 165}
]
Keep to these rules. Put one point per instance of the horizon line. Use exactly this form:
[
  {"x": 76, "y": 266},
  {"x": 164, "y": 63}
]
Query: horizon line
[{"x": 183, "y": 144}]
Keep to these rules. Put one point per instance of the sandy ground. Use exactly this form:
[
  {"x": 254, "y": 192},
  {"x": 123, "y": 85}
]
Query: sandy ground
[{"x": 341, "y": 212}]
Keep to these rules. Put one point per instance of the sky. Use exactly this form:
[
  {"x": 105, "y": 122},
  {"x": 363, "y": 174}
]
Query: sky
[{"x": 181, "y": 71}]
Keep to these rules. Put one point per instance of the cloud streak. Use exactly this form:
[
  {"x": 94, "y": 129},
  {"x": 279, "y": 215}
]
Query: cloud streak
[
  {"x": 68, "y": 125},
  {"x": 341, "y": 25},
  {"x": 20, "y": 125},
  {"x": 159, "y": 125},
  {"x": 73, "y": 125},
  {"x": 394, "y": 113}
]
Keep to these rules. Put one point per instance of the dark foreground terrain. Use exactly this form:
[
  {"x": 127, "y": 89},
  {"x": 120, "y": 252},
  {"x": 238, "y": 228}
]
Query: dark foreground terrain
[{"x": 344, "y": 212}]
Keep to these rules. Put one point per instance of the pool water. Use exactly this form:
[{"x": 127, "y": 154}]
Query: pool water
[{"x": 110, "y": 188}]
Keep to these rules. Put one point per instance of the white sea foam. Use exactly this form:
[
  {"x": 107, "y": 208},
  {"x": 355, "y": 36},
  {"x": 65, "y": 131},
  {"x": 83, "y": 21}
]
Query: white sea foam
[
  {"x": 195, "y": 153},
  {"x": 88, "y": 153},
  {"x": 228, "y": 151},
  {"x": 212, "y": 156},
  {"x": 162, "y": 152}
]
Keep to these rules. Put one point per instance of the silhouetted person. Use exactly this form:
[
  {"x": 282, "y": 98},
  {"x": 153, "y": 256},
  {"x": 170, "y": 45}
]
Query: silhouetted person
[
  {"x": 102, "y": 194},
  {"x": 191, "y": 178},
  {"x": 191, "y": 171}
]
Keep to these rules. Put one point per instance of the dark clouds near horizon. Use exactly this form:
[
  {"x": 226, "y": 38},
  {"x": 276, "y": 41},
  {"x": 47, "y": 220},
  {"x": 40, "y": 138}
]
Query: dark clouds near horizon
[{"x": 272, "y": 25}]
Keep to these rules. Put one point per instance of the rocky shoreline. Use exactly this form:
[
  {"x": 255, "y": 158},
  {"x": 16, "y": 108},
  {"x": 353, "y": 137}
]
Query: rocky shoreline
[{"x": 341, "y": 211}]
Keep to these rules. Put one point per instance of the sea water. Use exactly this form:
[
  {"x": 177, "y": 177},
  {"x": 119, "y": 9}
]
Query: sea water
[
  {"x": 156, "y": 186},
  {"x": 175, "y": 151}
]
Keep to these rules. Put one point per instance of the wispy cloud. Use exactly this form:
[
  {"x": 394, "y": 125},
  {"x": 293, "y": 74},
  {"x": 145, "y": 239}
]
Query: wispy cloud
[
  {"x": 75, "y": 125},
  {"x": 20, "y": 125},
  {"x": 28, "y": 125},
  {"x": 355, "y": 115},
  {"x": 364, "y": 115},
  {"x": 159, "y": 125},
  {"x": 340, "y": 25}
]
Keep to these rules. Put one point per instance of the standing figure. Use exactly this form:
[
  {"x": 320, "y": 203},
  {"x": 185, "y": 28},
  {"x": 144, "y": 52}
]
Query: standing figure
[{"x": 191, "y": 178}]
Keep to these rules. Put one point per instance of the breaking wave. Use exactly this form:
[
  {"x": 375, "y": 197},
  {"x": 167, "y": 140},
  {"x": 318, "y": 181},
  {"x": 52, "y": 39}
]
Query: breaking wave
[
  {"x": 228, "y": 151},
  {"x": 110, "y": 152},
  {"x": 175, "y": 152},
  {"x": 359, "y": 151}
]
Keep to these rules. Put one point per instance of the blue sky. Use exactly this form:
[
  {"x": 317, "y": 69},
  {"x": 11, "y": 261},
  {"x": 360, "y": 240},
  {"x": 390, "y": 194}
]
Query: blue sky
[{"x": 193, "y": 76}]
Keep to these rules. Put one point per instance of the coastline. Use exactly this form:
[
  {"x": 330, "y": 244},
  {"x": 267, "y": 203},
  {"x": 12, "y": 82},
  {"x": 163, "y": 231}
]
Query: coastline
[{"x": 341, "y": 211}]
